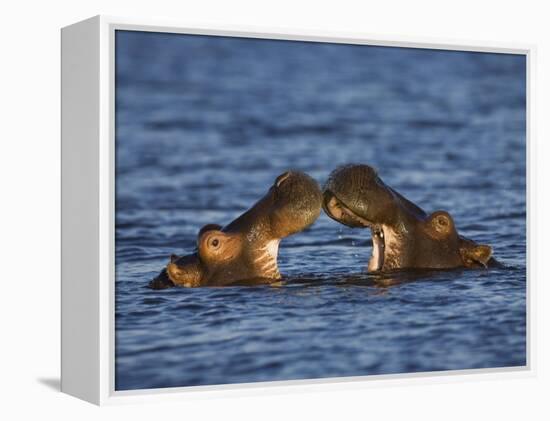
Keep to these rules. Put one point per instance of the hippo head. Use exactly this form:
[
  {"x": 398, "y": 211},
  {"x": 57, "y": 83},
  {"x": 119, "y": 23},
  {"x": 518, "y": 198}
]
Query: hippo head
[
  {"x": 247, "y": 248},
  {"x": 403, "y": 235}
]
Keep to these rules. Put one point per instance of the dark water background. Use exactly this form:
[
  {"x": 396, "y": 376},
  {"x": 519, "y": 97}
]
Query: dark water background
[{"x": 205, "y": 124}]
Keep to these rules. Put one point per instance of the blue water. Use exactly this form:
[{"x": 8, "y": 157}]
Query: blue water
[{"x": 205, "y": 124}]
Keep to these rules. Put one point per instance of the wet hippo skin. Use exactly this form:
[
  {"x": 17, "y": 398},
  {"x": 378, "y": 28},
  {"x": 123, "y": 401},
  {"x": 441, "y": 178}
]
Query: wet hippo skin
[
  {"x": 247, "y": 248},
  {"x": 403, "y": 235}
]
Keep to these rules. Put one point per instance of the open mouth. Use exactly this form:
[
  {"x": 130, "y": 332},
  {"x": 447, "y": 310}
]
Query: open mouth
[
  {"x": 337, "y": 210},
  {"x": 378, "y": 247}
]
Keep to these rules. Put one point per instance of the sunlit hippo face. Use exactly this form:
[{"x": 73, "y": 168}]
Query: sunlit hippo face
[
  {"x": 403, "y": 235},
  {"x": 247, "y": 248}
]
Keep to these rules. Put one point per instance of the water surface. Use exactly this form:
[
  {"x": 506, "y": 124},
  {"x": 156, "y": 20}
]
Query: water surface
[{"x": 203, "y": 127}]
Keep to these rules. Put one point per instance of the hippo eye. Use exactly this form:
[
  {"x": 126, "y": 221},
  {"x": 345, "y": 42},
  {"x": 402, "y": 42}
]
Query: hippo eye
[{"x": 215, "y": 242}]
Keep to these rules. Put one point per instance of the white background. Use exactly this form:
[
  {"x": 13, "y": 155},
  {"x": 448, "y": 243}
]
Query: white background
[{"x": 30, "y": 195}]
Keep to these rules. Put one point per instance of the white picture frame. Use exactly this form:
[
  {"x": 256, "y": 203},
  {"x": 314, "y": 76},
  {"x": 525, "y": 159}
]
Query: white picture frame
[{"x": 88, "y": 174}]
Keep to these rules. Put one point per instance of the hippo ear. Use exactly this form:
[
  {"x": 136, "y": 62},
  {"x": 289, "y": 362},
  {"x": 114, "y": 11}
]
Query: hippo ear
[
  {"x": 479, "y": 254},
  {"x": 209, "y": 227},
  {"x": 173, "y": 258},
  {"x": 441, "y": 224}
]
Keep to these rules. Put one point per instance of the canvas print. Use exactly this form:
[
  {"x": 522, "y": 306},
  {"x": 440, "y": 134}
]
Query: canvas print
[{"x": 290, "y": 210}]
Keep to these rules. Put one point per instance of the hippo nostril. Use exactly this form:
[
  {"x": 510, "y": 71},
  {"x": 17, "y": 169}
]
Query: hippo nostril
[{"x": 279, "y": 180}]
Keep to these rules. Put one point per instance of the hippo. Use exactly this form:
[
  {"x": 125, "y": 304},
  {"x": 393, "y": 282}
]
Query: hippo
[
  {"x": 403, "y": 235},
  {"x": 247, "y": 248}
]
